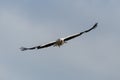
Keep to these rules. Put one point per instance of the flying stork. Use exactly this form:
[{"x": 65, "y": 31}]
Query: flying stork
[{"x": 59, "y": 42}]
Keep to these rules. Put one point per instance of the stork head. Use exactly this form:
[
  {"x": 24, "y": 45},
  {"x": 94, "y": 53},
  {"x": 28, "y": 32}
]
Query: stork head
[{"x": 59, "y": 42}]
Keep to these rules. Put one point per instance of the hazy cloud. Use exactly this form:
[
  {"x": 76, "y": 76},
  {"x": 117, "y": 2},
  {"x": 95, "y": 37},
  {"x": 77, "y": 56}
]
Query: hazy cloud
[{"x": 93, "y": 56}]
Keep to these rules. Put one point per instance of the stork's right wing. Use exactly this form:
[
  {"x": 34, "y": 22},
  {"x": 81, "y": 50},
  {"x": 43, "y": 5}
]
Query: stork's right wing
[
  {"x": 46, "y": 45},
  {"x": 38, "y": 47}
]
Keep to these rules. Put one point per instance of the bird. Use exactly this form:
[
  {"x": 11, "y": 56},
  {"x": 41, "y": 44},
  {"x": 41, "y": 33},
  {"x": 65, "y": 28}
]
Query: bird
[{"x": 59, "y": 42}]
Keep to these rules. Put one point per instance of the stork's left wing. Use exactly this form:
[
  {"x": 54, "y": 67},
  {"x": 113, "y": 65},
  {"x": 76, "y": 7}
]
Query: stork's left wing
[
  {"x": 38, "y": 47},
  {"x": 76, "y": 35}
]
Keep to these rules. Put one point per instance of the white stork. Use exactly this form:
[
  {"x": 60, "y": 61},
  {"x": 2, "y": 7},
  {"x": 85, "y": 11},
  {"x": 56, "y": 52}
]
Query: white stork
[{"x": 59, "y": 42}]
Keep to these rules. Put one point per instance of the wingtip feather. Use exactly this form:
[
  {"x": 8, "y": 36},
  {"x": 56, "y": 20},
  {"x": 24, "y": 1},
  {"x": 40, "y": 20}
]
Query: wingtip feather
[
  {"x": 23, "y": 48},
  {"x": 96, "y": 24}
]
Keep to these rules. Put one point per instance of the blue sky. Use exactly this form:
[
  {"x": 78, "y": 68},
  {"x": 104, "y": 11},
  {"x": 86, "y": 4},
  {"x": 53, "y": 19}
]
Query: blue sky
[{"x": 93, "y": 56}]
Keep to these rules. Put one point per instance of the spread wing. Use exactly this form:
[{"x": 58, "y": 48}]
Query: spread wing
[
  {"x": 38, "y": 47},
  {"x": 76, "y": 35}
]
